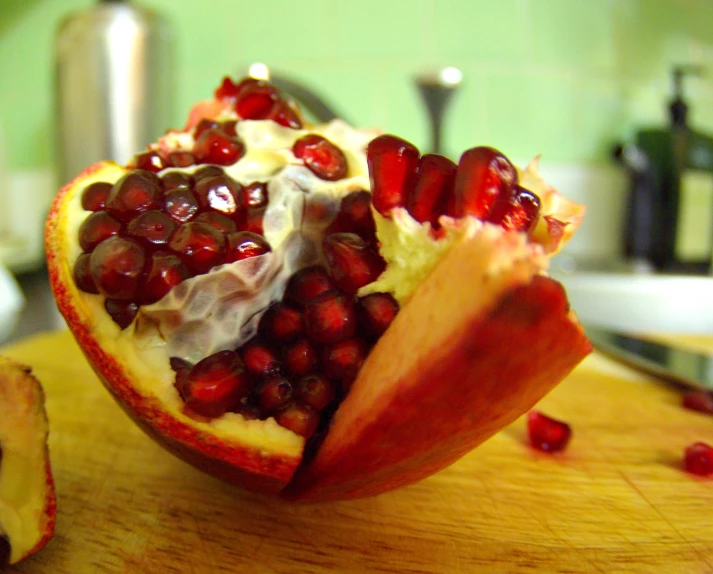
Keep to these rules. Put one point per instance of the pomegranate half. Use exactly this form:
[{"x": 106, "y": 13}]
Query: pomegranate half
[{"x": 314, "y": 310}]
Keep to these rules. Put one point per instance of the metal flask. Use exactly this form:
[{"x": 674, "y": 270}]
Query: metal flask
[{"x": 114, "y": 84}]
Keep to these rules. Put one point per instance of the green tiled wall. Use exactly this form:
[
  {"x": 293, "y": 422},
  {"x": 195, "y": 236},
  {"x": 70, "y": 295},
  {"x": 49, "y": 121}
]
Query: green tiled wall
[{"x": 564, "y": 78}]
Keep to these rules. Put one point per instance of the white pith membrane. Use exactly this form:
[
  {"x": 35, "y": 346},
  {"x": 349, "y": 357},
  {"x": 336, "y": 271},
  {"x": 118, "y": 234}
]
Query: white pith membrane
[
  {"x": 220, "y": 310},
  {"x": 23, "y": 477}
]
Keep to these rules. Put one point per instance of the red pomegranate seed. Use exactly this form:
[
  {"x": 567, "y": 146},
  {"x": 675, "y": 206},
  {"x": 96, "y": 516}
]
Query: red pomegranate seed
[
  {"x": 248, "y": 412},
  {"x": 82, "y": 275},
  {"x": 122, "y": 312},
  {"x": 227, "y": 89},
  {"x": 150, "y": 161},
  {"x": 306, "y": 284},
  {"x": 229, "y": 128},
  {"x": 217, "y": 220},
  {"x": 165, "y": 272},
  {"x": 300, "y": 419},
  {"x": 698, "y": 459},
  {"x": 133, "y": 194},
  {"x": 352, "y": 263},
  {"x": 701, "y": 401},
  {"x": 280, "y": 323},
  {"x": 355, "y": 216},
  {"x": 96, "y": 228},
  {"x": 330, "y": 317},
  {"x": 341, "y": 361},
  {"x": 207, "y": 172},
  {"x": 315, "y": 390},
  {"x": 176, "y": 180},
  {"x": 203, "y": 126},
  {"x": 433, "y": 188},
  {"x": 273, "y": 393},
  {"x": 213, "y": 146},
  {"x": 484, "y": 174},
  {"x": 259, "y": 359},
  {"x": 300, "y": 357},
  {"x": 392, "y": 168},
  {"x": 216, "y": 384},
  {"x": 116, "y": 266},
  {"x": 517, "y": 211},
  {"x": 220, "y": 193},
  {"x": 245, "y": 244},
  {"x": 546, "y": 433},
  {"x": 321, "y": 156},
  {"x": 94, "y": 196},
  {"x": 255, "y": 194},
  {"x": 375, "y": 312},
  {"x": 181, "y": 204},
  {"x": 254, "y": 220},
  {"x": 153, "y": 228},
  {"x": 181, "y": 159},
  {"x": 201, "y": 246},
  {"x": 255, "y": 100},
  {"x": 283, "y": 114}
]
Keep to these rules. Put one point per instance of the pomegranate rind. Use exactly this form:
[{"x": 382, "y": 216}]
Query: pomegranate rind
[
  {"x": 480, "y": 342},
  {"x": 260, "y": 455},
  {"x": 28, "y": 503}
]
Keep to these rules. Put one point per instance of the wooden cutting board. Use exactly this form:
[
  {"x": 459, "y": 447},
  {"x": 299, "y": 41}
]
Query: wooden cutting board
[{"x": 617, "y": 500}]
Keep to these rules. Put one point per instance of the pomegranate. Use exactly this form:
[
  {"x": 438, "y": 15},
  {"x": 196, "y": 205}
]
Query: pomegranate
[
  {"x": 282, "y": 318},
  {"x": 546, "y": 433},
  {"x": 27, "y": 514},
  {"x": 698, "y": 459}
]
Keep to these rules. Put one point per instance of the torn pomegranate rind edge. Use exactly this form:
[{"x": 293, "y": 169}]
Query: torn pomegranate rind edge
[
  {"x": 239, "y": 458},
  {"x": 27, "y": 386}
]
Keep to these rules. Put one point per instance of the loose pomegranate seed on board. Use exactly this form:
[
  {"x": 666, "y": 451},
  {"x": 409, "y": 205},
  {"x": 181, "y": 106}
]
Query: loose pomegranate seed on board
[
  {"x": 701, "y": 401},
  {"x": 547, "y": 434},
  {"x": 698, "y": 459}
]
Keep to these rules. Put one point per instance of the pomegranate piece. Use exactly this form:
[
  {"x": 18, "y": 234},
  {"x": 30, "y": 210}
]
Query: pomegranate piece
[
  {"x": 180, "y": 159},
  {"x": 227, "y": 89},
  {"x": 301, "y": 419},
  {"x": 116, "y": 266},
  {"x": 245, "y": 244},
  {"x": 273, "y": 393},
  {"x": 94, "y": 196},
  {"x": 181, "y": 204},
  {"x": 321, "y": 156},
  {"x": 280, "y": 323},
  {"x": 547, "y": 434},
  {"x": 432, "y": 190},
  {"x": 355, "y": 216},
  {"x": 150, "y": 161},
  {"x": 701, "y": 401},
  {"x": 283, "y": 114},
  {"x": 255, "y": 194},
  {"x": 220, "y": 193},
  {"x": 82, "y": 274},
  {"x": 393, "y": 163},
  {"x": 207, "y": 172},
  {"x": 375, "y": 313},
  {"x": 96, "y": 228},
  {"x": 306, "y": 284},
  {"x": 254, "y": 219},
  {"x": 153, "y": 228},
  {"x": 300, "y": 357},
  {"x": 330, "y": 317},
  {"x": 259, "y": 359},
  {"x": 217, "y": 220},
  {"x": 203, "y": 126},
  {"x": 255, "y": 100},
  {"x": 122, "y": 312},
  {"x": 214, "y": 146},
  {"x": 165, "y": 272},
  {"x": 484, "y": 175},
  {"x": 133, "y": 194},
  {"x": 200, "y": 245},
  {"x": 698, "y": 459},
  {"x": 341, "y": 361},
  {"x": 315, "y": 390},
  {"x": 176, "y": 180},
  {"x": 517, "y": 211},
  {"x": 352, "y": 263}
]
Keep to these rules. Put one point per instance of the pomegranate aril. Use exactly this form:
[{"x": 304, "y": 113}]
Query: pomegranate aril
[
  {"x": 133, "y": 194},
  {"x": 375, "y": 312},
  {"x": 207, "y": 172},
  {"x": 122, "y": 312},
  {"x": 352, "y": 263},
  {"x": 180, "y": 159},
  {"x": 255, "y": 194},
  {"x": 229, "y": 128},
  {"x": 165, "y": 272},
  {"x": 200, "y": 245},
  {"x": 392, "y": 168},
  {"x": 94, "y": 196},
  {"x": 306, "y": 284},
  {"x": 227, "y": 89},
  {"x": 341, "y": 361},
  {"x": 255, "y": 100},
  {"x": 315, "y": 390},
  {"x": 150, "y": 161},
  {"x": 355, "y": 216},
  {"x": 176, "y": 180},
  {"x": 301, "y": 419},
  {"x": 698, "y": 459},
  {"x": 181, "y": 204},
  {"x": 254, "y": 220},
  {"x": 153, "y": 228},
  {"x": 516, "y": 212},
  {"x": 217, "y": 220},
  {"x": 701, "y": 401},
  {"x": 216, "y": 384},
  {"x": 273, "y": 393},
  {"x": 220, "y": 193},
  {"x": 484, "y": 175},
  {"x": 321, "y": 156},
  {"x": 259, "y": 358},
  {"x": 82, "y": 275},
  {"x": 213, "y": 146},
  {"x": 203, "y": 126},
  {"x": 432, "y": 189},
  {"x": 96, "y": 228},
  {"x": 547, "y": 434},
  {"x": 280, "y": 323},
  {"x": 300, "y": 357},
  {"x": 283, "y": 114},
  {"x": 116, "y": 265},
  {"x": 245, "y": 244},
  {"x": 330, "y": 317}
]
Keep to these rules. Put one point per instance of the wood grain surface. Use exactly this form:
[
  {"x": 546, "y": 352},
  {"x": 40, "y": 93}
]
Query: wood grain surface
[{"x": 617, "y": 500}]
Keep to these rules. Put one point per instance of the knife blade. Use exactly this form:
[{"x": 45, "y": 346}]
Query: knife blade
[{"x": 681, "y": 366}]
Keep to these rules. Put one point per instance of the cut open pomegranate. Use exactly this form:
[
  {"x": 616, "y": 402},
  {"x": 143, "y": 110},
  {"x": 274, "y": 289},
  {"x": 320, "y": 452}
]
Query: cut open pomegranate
[{"x": 271, "y": 297}]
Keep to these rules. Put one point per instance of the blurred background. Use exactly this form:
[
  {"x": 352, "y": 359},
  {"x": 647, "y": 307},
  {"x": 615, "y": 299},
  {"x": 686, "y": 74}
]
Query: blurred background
[{"x": 567, "y": 79}]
